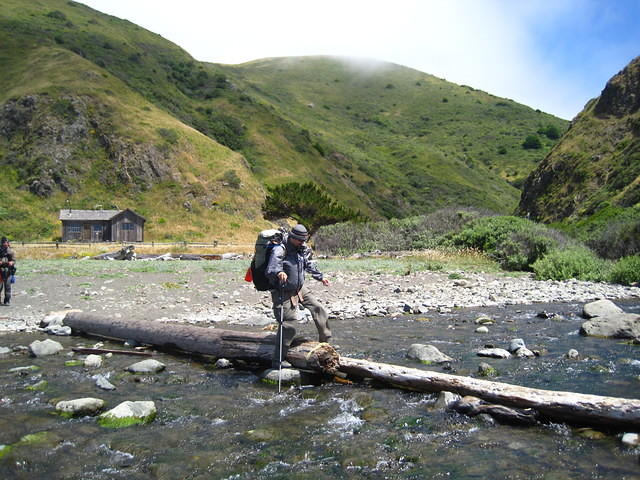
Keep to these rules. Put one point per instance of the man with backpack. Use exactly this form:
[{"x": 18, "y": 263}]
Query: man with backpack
[
  {"x": 7, "y": 269},
  {"x": 287, "y": 265}
]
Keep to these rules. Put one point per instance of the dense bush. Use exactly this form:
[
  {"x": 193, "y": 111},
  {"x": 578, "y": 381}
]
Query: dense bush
[
  {"x": 514, "y": 242},
  {"x": 531, "y": 142},
  {"x": 574, "y": 262},
  {"x": 620, "y": 238},
  {"x": 626, "y": 270}
]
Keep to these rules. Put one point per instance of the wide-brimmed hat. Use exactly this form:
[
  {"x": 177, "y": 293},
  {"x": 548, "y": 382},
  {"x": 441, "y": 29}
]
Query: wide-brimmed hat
[{"x": 299, "y": 232}]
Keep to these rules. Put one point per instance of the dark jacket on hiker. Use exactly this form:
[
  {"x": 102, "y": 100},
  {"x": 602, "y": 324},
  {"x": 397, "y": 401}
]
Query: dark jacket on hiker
[
  {"x": 7, "y": 269},
  {"x": 294, "y": 260}
]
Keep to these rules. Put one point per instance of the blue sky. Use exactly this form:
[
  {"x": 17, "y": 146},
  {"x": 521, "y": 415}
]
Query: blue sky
[{"x": 554, "y": 55}]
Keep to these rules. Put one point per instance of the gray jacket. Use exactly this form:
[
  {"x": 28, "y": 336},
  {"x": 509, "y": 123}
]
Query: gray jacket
[{"x": 294, "y": 262}]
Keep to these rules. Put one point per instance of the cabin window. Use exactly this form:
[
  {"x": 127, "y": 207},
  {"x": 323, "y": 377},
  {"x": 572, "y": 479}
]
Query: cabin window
[
  {"x": 127, "y": 226},
  {"x": 75, "y": 228}
]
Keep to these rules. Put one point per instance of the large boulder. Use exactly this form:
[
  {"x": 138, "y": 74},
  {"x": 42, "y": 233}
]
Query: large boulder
[
  {"x": 600, "y": 308},
  {"x": 128, "y": 413},
  {"x": 618, "y": 325},
  {"x": 427, "y": 354}
]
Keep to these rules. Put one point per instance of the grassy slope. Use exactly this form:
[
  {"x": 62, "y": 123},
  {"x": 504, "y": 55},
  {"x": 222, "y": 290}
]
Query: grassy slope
[
  {"x": 403, "y": 148},
  {"x": 35, "y": 68},
  {"x": 425, "y": 142}
]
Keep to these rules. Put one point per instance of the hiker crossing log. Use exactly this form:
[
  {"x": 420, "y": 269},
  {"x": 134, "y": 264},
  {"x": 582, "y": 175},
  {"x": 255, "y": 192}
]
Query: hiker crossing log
[{"x": 258, "y": 347}]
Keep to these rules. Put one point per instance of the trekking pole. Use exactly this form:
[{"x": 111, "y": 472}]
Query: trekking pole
[{"x": 281, "y": 334}]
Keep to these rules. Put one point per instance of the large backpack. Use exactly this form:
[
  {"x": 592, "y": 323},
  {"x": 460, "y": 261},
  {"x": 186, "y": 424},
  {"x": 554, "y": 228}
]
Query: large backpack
[{"x": 267, "y": 239}]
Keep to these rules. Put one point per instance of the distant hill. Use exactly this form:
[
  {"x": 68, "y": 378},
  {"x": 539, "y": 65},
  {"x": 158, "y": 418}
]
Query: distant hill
[
  {"x": 95, "y": 110},
  {"x": 595, "y": 169}
]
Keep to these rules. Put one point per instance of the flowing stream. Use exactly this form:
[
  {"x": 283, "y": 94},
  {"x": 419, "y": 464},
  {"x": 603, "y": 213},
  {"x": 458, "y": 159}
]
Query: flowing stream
[{"x": 226, "y": 424}]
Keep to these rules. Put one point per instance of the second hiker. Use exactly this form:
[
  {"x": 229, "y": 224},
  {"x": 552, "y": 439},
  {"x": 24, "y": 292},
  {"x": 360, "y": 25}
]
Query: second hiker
[{"x": 287, "y": 265}]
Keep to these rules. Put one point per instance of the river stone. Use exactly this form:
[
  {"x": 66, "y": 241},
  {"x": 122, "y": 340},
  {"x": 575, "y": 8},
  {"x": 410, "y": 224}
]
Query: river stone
[
  {"x": 482, "y": 329},
  {"x": 619, "y": 325},
  {"x": 427, "y": 354},
  {"x": 80, "y": 406},
  {"x": 493, "y": 353},
  {"x": 290, "y": 376},
  {"x": 484, "y": 320},
  {"x": 59, "y": 330},
  {"x": 631, "y": 439},
  {"x": 146, "y": 366},
  {"x": 573, "y": 354},
  {"x": 93, "y": 361},
  {"x": 446, "y": 400},
  {"x": 600, "y": 308},
  {"x": 56, "y": 318},
  {"x": 223, "y": 363},
  {"x": 486, "y": 370},
  {"x": 524, "y": 352},
  {"x": 24, "y": 371},
  {"x": 128, "y": 413},
  {"x": 103, "y": 383},
  {"x": 515, "y": 344},
  {"x": 4, "y": 350},
  {"x": 45, "y": 347}
]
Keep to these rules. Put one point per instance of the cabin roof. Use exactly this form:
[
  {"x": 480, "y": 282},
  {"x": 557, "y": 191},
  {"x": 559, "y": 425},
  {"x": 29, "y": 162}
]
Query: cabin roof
[{"x": 90, "y": 215}]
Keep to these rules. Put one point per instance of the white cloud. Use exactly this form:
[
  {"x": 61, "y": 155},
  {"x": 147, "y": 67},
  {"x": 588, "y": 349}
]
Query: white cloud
[{"x": 493, "y": 45}]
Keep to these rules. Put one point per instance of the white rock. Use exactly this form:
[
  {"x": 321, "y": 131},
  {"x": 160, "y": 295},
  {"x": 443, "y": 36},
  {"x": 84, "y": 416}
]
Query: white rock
[
  {"x": 45, "y": 347},
  {"x": 60, "y": 330},
  {"x": 93, "y": 361},
  {"x": 103, "y": 383},
  {"x": 524, "y": 352},
  {"x": 80, "y": 406},
  {"x": 128, "y": 409},
  {"x": 631, "y": 439},
  {"x": 146, "y": 366},
  {"x": 427, "y": 354},
  {"x": 573, "y": 353},
  {"x": 515, "y": 344},
  {"x": 600, "y": 308},
  {"x": 446, "y": 399},
  {"x": 494, "y": 353},
  {"x": 482, "y": 329}
]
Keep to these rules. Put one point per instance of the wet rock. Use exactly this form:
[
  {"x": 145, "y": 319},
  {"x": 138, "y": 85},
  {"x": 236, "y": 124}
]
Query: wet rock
[
  {"x": 486, "y": 370},
  {"x": 572, "y": 354},
  {"x": 93, "y": 361},
  {"x": 38, "y": 387},
  {"x": 446, "y": 400},
  {"x": 223, "y": 363},
  {"x": 427, "y": 354},
  {"x": 146, "y": 366},
  {"x": 524, "y": 352},
  {"x": 128, "y": 413},
  {"x": 80, "y": 406},
  {"x": 493, "y": 353},
  {"x": 482, "y": 329},
  {"x": 290, "y": 376},
  {"x": 45, "y": 347},
  {"x": 631, "y": 439},
  {"x": 590, "y": 434},
  {"x": 5, "y": 350},
  {"x": 60, "y": 330},
  {"x": 24, "y": 371},
  {"x": 600, "y": 308},
  {"x": 515, "y": 344},
  {"x": 103, "y": 383},
  {"x": 484, "y": 320},
  {"x": 618, "y": 325}
]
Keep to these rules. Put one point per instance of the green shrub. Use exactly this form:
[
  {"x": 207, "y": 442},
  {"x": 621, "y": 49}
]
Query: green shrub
[
  {"x": 575, "y": 262},
  {"x": 626, "y": 270},
  {"x": 619, "y": 238},
  {"x": 531, "y": 142}
]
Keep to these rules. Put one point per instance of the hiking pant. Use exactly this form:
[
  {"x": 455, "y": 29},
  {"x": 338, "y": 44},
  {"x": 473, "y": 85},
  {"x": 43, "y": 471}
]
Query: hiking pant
[
  {"x": 5, "y": 283},
  {"x": 288, "y": 309}
]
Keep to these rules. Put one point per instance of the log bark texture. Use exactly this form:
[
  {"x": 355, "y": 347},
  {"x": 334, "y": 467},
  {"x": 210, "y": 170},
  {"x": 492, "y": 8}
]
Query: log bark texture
[
  {"x": 574, "y": 408},
  {"x": 569, "y": 407}
]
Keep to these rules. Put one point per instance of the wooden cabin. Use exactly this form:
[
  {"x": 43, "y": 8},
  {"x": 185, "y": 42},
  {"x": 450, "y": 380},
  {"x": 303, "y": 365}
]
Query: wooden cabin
[{"x": 102, "y": 226}]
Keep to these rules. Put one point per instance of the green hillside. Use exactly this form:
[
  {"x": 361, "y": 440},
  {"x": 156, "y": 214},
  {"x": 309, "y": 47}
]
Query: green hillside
[
  {"x": 590, "y": 183},
  {"x": 95, "y": 110}
]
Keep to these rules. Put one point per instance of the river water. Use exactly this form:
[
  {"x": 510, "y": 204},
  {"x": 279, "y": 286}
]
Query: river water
[{"x": 226, "y": 424}]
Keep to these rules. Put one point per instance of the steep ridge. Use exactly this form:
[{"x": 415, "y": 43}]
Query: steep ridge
[{"x": 595, "y": 169}]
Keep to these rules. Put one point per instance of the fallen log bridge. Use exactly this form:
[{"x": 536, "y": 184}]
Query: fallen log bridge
[{"x": 257, "y": 347}]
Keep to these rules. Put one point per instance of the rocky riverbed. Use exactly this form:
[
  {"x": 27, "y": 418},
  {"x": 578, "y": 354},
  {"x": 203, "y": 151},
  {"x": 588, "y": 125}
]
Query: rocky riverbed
[{"x": 189, "y": 292}]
